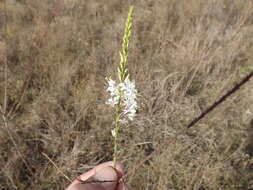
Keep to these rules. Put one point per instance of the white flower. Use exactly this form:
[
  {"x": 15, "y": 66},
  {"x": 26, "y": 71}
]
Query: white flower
[
  {"x": 125, "y": 92},
  {"x": 129, "y": 99},
  {"x": 111, "y": 87},
  {"x": 114, "y": 92},
  {"x": 113, "y": 131}
]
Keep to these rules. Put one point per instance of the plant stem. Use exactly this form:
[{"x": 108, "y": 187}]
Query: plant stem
[
  {"x": 117, "y": 127},
  {"x": 122, "y": 74}
]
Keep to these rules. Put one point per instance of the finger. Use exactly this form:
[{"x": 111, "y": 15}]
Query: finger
[
  {"x": 105, "y": 178},
  {"x": 121, "y": 186},
  {"x": 83, "y": 187},
  {"x": 119, "y": 168},
  {"x": 98, "y": 172},
  {"x": 108, "y": 174}
]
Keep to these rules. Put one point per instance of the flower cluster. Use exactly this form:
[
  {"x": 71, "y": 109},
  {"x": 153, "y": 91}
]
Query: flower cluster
[{"x": 123, "y": 95}]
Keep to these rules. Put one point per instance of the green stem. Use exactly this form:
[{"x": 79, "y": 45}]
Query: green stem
[
  {"x": 122, "y": 74},
  {"x": 117, "y": 126}
]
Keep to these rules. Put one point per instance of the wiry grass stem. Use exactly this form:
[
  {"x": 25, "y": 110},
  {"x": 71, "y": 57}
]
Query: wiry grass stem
[{"x": 222, "y": 99}]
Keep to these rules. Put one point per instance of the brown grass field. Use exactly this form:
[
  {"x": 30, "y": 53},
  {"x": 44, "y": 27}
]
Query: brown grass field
[{"x": 184, "y": 55}]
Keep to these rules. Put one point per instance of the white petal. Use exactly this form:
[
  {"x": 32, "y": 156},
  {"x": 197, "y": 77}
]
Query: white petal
[{"x": 113, "y": 131}]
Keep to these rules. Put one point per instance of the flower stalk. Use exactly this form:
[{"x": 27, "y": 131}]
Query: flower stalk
[
  {"x": 122, "y": 70},
  {"x": 123, "y": 95}
]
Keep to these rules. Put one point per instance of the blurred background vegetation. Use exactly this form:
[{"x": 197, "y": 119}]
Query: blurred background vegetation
[{"x": 184, "y": 54}]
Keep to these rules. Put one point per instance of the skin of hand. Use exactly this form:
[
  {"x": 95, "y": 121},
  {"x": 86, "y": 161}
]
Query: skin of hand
[{"x": 102, "y": 172}]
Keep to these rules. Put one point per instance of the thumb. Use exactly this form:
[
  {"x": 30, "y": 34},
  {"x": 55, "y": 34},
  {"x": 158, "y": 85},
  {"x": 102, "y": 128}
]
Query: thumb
[
  {"x": 107, "y": 178},
  {"x": 110, "y": 179},
  {"x": 104, "y": 178}
]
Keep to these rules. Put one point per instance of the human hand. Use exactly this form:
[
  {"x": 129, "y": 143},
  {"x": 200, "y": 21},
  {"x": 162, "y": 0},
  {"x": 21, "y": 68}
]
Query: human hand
[{"x": 102, "y": 172}]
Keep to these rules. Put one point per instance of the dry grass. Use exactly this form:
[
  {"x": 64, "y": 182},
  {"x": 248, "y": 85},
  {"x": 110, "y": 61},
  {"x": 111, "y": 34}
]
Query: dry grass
[{"x": 183, "y": 55}]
